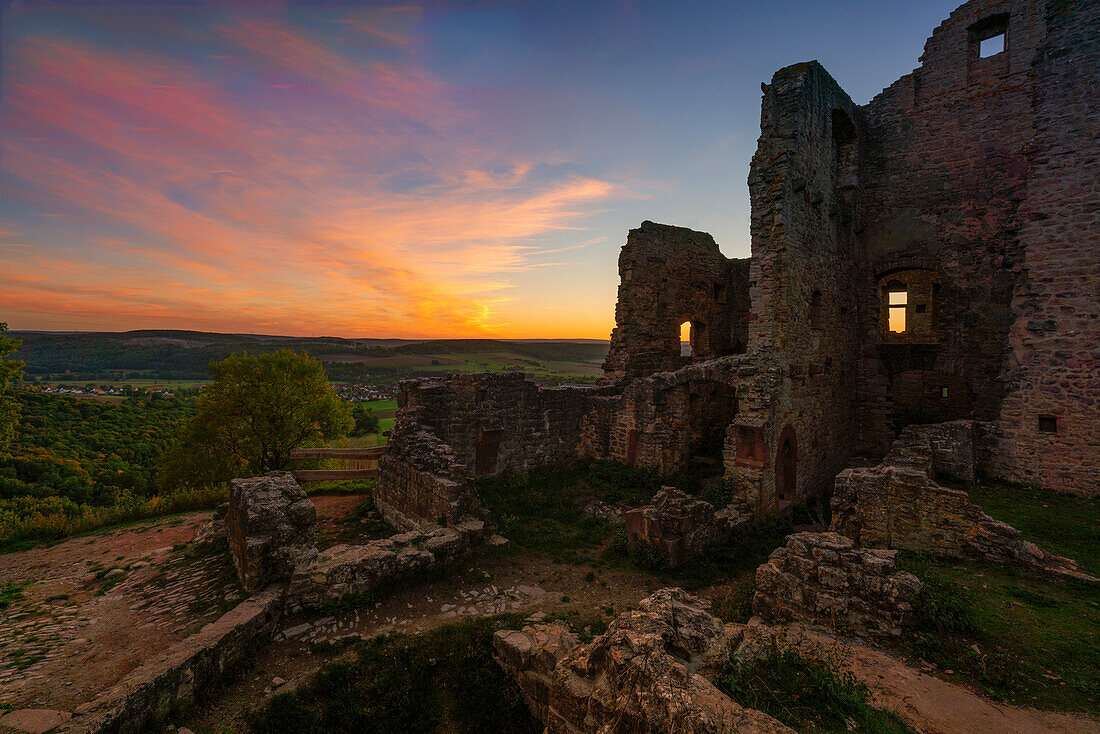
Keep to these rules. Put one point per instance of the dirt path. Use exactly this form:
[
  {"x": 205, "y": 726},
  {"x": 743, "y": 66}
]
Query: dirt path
[{"x": 932, "y": 705}]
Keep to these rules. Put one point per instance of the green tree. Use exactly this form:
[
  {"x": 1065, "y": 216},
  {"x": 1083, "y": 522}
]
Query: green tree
[
  {"x": 255, "y": 412},
  {"x": 9, "y": 370},
  {"x": 366, "y": 421}
]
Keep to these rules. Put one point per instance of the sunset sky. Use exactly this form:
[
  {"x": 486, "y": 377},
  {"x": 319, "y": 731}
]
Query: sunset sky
[{"x": 445, "y": 169}]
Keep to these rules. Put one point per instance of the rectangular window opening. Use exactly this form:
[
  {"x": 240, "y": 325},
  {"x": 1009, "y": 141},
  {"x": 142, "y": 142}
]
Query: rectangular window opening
[
  {"x": 897, "y": 301},
  {"x": 1048, "y": 424},
  {"x": 943, "y": 392},
  {"x": 991, "y": 46}
]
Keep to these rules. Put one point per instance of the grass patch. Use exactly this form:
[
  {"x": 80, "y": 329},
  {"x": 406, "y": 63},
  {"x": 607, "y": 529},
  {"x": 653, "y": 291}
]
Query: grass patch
[
  {"x": 541, "y": 511},
  {"x": 13, "y": 592},
  {"x": 365, "y": 523},
  {"x": 1060, "y": 523},
  {"x": 443, "y": 680},
  {"x": 1017, "y": 637},
  {"x": 806, "y": 695},
  {"x": 347, "y": 486}
]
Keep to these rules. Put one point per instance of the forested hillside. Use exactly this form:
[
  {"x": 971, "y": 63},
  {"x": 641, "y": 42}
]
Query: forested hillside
[{"x": 73, "y": 461}]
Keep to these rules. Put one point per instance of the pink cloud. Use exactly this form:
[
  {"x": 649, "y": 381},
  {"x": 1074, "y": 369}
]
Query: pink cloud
[{"x": 239, "y": 212}]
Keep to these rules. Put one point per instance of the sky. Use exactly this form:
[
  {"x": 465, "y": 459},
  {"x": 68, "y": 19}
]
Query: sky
[{"x": 443, "y": 169}]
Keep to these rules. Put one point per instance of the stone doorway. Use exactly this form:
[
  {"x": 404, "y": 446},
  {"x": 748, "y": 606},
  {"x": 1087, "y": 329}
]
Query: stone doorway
[{"x": 485, "y": 454}]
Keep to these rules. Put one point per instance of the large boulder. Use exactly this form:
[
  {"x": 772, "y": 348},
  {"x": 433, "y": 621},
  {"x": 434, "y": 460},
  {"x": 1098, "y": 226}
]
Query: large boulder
[
  {"x": 642, "y": 675},
  {"x": 269, "y": 525}
]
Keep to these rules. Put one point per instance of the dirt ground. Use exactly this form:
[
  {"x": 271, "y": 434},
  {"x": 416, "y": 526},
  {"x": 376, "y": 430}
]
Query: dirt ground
[{"x": 83, "y": 624}]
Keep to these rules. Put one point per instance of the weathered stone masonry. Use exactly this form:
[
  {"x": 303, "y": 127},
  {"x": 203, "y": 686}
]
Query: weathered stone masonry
[{"x": 927, "y": 257}]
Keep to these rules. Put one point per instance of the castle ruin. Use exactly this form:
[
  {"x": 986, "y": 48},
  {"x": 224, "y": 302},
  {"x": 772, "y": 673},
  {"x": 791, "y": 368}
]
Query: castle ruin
[{"x": 928, "y": 257}]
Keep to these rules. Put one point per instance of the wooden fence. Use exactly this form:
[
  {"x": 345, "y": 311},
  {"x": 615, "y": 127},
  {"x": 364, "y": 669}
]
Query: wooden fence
[{"x": 364, "y": 463}]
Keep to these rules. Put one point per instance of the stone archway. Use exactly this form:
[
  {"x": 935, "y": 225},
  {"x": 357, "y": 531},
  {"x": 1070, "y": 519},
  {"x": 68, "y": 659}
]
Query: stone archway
[{"x": 786, "y": 469}]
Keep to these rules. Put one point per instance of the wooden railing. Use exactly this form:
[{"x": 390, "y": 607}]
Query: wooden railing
[{"x": 368, "y": 457}]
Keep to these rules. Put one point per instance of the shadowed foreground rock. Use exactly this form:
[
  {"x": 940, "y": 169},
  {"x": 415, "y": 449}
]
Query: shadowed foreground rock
[
  {"x": 640, "y": 676},
  {"x": 269, "y": 525}
]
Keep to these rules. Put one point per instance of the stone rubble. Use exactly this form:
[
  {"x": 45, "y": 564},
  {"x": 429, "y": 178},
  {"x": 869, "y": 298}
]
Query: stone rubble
[
  {"x": 823, "y": 578},
  {"x": 639, "y": 676},
  {"x": 269, "y": 526}
]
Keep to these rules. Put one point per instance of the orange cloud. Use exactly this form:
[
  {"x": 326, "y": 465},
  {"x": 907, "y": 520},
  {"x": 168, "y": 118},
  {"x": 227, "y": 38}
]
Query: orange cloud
[{"x": 287, "y": 181}]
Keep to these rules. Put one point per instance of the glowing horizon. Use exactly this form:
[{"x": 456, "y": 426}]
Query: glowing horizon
[{"x": 304, "y": 169}]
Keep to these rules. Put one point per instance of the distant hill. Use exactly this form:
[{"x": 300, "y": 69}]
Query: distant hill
[{"x": 185, "y": 355}]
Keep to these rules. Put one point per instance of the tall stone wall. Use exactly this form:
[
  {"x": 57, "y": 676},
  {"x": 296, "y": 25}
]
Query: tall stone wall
[
  {"x": 795, "y": 423},
  {"x": 978, "y": 172},
  {"x": 668, "y": 276},
  {"x": 1054, "y": 362}
]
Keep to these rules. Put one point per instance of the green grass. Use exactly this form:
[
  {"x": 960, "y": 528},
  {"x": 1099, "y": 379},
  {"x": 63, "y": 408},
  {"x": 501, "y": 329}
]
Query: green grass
[
  {"x": 540, "y": 511},
  {"x": 443, "y": 680},
  {"x": 11, "y": 593},
  {"x": 1060, "y": 523},
  {"x": 1017, "y": 637},
  {"x": 376, "y": 405},
  {"x": 806, "y": 695}
]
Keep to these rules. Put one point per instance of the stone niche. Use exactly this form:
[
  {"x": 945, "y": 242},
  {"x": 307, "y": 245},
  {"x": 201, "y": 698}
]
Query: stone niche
[{"x": 269, "y": 526}]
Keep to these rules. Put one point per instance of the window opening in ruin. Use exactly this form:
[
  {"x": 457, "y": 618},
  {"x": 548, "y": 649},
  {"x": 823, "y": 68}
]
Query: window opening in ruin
[
  {"x": 897, "y": 300},
  {"x": 991, "y": 46},
  {"x": 816, "y": 309},
  {"x": 685, "y": 339},
  {"x": 485, "y": 453},
  {"x": 1048, "y": 424},
  {"x": 943, "y": 392},
  {"x": 786, "y": 469},
  {"x": 632, "y": 447}
]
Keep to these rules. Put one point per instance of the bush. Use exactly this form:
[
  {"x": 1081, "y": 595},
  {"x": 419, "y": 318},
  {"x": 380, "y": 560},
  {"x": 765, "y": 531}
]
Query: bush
[{"x": 445, "y": 679}]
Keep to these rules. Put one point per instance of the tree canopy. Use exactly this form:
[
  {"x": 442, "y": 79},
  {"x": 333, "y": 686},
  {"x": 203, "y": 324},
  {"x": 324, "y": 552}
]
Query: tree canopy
[
  {"x": 255, "y": 412},
  {"x": 9, "y": 370}
]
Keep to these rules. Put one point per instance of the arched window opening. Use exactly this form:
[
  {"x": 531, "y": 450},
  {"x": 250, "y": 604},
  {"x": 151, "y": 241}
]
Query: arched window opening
[
  {"x": 786, "y": 469},
  {"x": 685, "y": 339},
  {"x": 845, "y": 150},
  {"x": 817, "y": 316}
]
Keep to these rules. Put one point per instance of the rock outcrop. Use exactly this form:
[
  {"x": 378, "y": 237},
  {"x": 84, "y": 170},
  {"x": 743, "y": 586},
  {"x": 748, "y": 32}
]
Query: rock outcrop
[
  {"x": 269, "y": 524},
  {"x": 640, "y": 676},
  {"x": 823, "y": 578}
]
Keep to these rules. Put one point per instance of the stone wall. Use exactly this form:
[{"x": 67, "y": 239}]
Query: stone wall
[
  {"x": 668, "y": 276},
  {"x": 666, "y": 420},
  {"x": 980, "y": 172},
  {"x": 451, "y": 430},
  {"x": 680, "y": 527},
  {"x": 824, "y": 578},
  {"x": 269, "y": 525},
  {"x": 640, "y": 676},
  {"x": 349, "y": 570},
  {"x": 796, "y": 425}
]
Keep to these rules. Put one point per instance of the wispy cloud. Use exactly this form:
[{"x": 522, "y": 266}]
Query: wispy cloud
[{"x": 281, "y": 178}]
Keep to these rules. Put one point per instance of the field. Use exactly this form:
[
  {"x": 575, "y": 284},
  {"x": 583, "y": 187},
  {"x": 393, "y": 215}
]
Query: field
[{"x": 181, "y": 358}]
